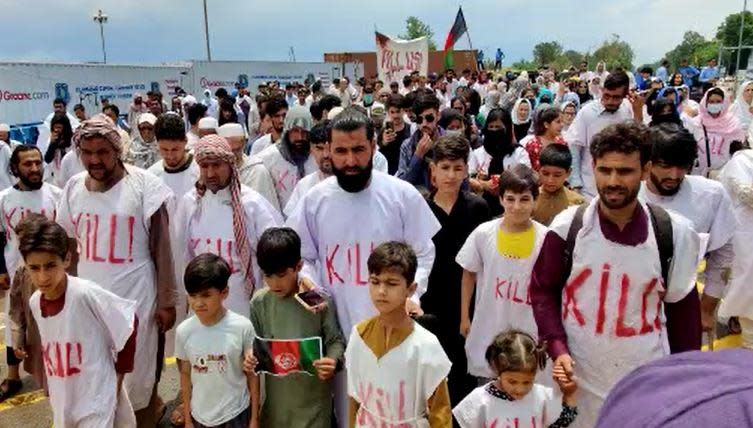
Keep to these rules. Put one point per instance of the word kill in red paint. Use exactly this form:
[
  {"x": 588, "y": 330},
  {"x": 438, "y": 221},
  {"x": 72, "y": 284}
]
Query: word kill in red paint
[
  {"x": 511, "y": 423},
  {"x": 14, "y": 216},
  {"x": 393, "y": 61},
  {"x": 512, "y": 290},
  {"x": 381, "y": 406},
  {"x": 62, "y": 359},
  {"x": 217, "y": 246},
  {"x": 650, "y": 290},
  {"x": 346, "y": 263},
  {"x": 285, "y": 181},
  {"x": 91, "y": 229}
]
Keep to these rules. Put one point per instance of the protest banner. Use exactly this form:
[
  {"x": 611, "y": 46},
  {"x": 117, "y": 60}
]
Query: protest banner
[{"x": 399, "y": 58}]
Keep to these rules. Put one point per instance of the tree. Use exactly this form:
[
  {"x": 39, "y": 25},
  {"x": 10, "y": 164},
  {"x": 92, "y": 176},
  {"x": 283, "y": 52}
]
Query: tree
[
  {"x": 415, "y": 28},
  {"x": 614, "y": 52},
  {"x": 572, "y": 58},
  {"x": 728, "y": 35},
  {"x": 523, "y": 65},
  {"x": 695, "y": 48},
  {"x": 546, "y": 53}
]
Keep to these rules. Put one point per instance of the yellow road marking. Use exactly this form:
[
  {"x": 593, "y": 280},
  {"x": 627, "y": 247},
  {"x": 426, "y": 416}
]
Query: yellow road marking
[{"x": 38, "y": 395}]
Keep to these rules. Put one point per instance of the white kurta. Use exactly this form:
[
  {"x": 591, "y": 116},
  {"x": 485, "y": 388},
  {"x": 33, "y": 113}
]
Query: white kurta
[
  {"x": 112, "y": 231},
  {"x": 207, "y": 227},
  {"x": 284, "y": 173},
  {"x": 69, "y": 166},
  {"x": 15, "y": 205},
  {"x": 179, "y": 183},
  {"x": 538, "y": 409},
  {"x": 702, "y": 201},
  {"x": 5, "y": 178},
  {"x": 339, "y": 229},
  {"x": 478, "y": 162},
  {"x": 393, "y": 390},
  {"x": 255, "y": 175},
  {"x": 301, "y": 188},
  {"x": 78, "y": 349},
  {"x": 503, "y": 300},
  {"x": 612, "y": 307},
  {"x": 737, "y": 178},
  {"x": 260, "y": 144}
]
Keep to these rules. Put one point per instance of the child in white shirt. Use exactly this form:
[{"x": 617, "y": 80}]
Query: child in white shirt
[
  {"x": 209, "y": 347},
  {"x": 513, "y": 399}
]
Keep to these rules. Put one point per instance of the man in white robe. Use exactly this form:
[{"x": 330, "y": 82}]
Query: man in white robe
[{"x": 344, "y": 217}]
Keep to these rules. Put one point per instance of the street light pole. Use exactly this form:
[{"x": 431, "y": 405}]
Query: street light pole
[
  {"x": 206, "y": 32},
  {"x": 101, "y": 19},
  {"x": 740, "y": 40}
]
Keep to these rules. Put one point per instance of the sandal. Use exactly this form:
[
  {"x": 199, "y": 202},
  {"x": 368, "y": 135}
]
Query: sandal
[{"x": 9, "y": 388}]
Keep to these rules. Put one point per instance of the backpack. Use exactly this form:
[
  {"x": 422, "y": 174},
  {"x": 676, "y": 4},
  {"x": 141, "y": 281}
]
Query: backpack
[{"x": 660, "y": 221}]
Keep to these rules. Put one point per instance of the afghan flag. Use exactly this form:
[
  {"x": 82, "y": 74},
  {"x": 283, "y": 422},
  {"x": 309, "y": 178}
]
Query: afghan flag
[
  {"x": 458, "y": 29},
  {"x": 283, "y": 357}
]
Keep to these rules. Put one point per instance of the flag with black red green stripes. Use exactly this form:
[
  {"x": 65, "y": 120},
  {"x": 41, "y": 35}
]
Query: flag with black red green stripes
[{"x": 282, "y": 357}]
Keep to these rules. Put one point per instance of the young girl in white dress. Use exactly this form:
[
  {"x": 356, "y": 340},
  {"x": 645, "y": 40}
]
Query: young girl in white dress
[{"x": 513, "y": 399}]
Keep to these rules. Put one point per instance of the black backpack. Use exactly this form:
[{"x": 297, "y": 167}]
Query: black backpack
[{"x": 660, "y": 221}]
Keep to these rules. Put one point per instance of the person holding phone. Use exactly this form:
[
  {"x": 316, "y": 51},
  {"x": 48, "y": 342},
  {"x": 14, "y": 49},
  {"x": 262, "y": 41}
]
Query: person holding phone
[
  {"x": 287, "y": 309},
  {"x": 414, "y": 152},
  {"x": 394, "y": 132}
]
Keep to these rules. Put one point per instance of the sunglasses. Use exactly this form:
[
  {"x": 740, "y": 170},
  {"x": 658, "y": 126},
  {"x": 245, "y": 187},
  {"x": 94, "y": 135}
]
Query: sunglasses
[{"x": 429, "y": 118}]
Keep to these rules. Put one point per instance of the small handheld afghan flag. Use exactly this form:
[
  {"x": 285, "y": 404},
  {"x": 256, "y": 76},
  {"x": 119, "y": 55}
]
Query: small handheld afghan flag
[
  {"x": 283, "y": 357},
  {"x": 457, "y": 30}
]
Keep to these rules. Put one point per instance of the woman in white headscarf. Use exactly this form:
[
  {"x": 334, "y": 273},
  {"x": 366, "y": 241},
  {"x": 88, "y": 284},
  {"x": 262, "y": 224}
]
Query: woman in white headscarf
[
  {"x": 601, "y": 72},
  {"x": 522, "y": 112},
  {"x": 491, "y": 101},
  {"x": 742, "y": 108}
]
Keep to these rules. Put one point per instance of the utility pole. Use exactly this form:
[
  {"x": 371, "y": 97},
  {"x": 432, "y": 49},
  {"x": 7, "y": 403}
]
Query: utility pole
[
  {"x": 740, "y": 40},
  {"x": 206, "y": 32},
  {"x": 101, "y": 19}
]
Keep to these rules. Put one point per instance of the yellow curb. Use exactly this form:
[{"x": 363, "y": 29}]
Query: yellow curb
[{"x": 23, "y": 400}]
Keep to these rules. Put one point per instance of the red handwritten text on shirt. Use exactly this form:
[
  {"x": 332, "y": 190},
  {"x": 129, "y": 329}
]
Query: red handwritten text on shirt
[
  {"x": 378, "y": 406},
  {"x": 91, "y": 247},
  {"x": 62, "y": 359},
  {"x": 14, "y": 216},
  {"x": 625, "y": 323},
  {"x": 512, "y": 290},
  {"x": 220, "y": 247},
  {"x": 346, "y": 263}
]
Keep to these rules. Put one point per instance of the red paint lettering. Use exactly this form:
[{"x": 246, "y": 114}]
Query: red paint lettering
[
  {"x": 645, "y": 326},
  {"x": 131, "y": 221},
  {"x": 359, "y": 280},
  {"x": 515, "y": 297},
  {"x": 570, "y": 299},
  {"x": 113, "y": 234},
  {"x": 621, "y": 330},
  {"x": 70, "y": 369},
  {"x": 499, "y": 283},
  {"x": 94, "y": 244},
  {"x": 601, "y": 315},
  {"x": 328, "y": 263}
]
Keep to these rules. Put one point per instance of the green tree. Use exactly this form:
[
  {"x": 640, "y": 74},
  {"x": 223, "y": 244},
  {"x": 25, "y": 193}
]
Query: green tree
[
  {"x": 695, "y": 48},
  {"x": 614, "y": 52},
  {"x": 728, "y": 35},
  {"x": 572, "y": 58},
  {"x": 546, "y": 53},
  {"x": 415, "y": 28},
  {"x": 523, "y": 65}
]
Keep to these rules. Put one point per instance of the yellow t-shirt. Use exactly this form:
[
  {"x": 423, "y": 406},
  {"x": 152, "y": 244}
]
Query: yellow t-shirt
[{"x": 518, "y": 245}]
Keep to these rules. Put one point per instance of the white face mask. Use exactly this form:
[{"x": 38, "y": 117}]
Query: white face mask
[
  {"x": 715, "y": 108},
  {"x": 453, "y": 132}
]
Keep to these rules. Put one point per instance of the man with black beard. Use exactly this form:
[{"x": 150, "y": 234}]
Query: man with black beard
[
  {"x": 702, "y": 201},
  {"x": 29, "y": 195},
  {"x": 290, "y": 159},
  {"x": 344, "y": 217}
]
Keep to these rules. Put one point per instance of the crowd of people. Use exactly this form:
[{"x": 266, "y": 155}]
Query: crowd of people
[{"x": 472, "y": 250}]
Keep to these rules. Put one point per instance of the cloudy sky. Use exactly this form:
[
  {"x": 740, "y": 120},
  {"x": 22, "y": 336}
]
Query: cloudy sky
[{"x": 153, "y": 31}]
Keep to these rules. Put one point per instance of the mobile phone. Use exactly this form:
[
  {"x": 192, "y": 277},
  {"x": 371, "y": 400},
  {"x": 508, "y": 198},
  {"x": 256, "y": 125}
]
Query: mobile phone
[
  {"x": 310, "y": 299},
  {"x": 388, "y": 126}
]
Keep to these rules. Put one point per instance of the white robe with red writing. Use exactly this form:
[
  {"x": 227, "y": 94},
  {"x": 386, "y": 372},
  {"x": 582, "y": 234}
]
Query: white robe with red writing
[
  {"x": 394, "y": 390},
  {"x": 339, "y": 230},
  {"x": 612, "y": 305},
  {"x": 112, "y": 231},
  {"x": 284, "y": 173},
  {"x": 207, "y": 227},
  {"x": 79, "y": 345},
  {"x": 15, "y": 205},
  {"x": 503, "y": 301},
  {"x": 538, "y": 409}
]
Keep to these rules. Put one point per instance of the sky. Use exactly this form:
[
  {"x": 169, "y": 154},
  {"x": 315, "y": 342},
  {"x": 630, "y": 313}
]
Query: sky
[{"x": 156, "y": 31}]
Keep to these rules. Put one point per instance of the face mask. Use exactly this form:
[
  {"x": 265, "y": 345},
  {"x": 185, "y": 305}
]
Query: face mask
[
  {"x": 368, "y": 99},
  {"x": 495, "y": 140},
  {"x": 453, "y": 132},
  {"x": 714, "y": 108}
]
